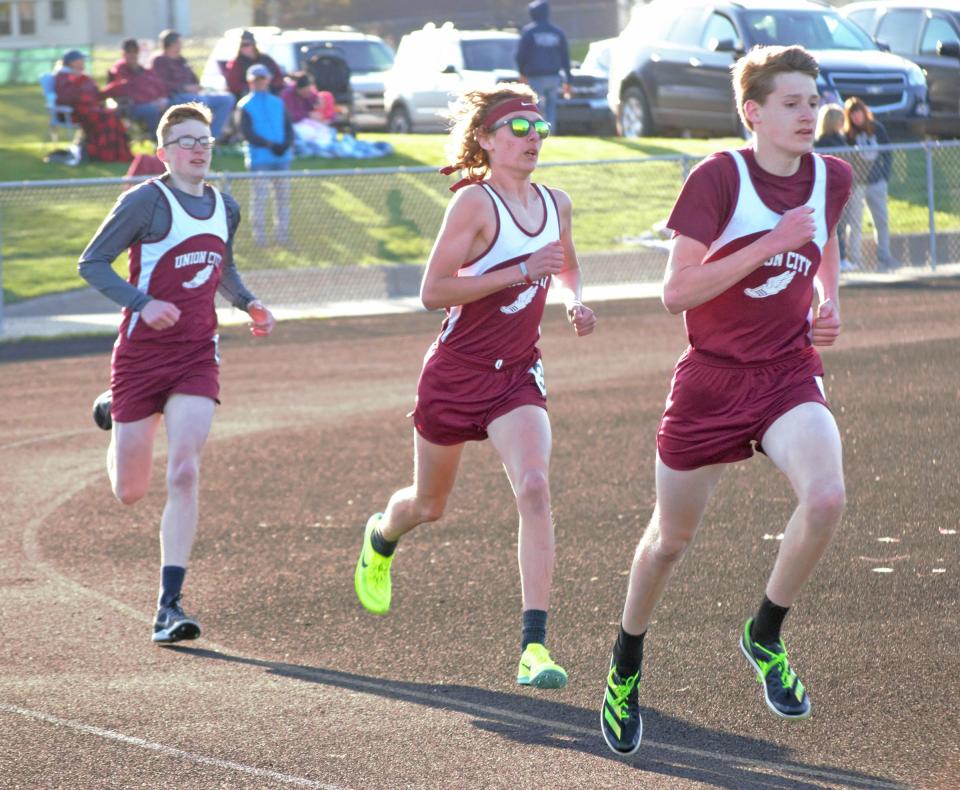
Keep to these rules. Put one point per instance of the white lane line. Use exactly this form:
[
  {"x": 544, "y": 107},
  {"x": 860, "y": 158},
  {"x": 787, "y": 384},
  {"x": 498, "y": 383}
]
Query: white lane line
[
  {"x": 171, "y": 751},
  {"x": 47, "y": 437}
]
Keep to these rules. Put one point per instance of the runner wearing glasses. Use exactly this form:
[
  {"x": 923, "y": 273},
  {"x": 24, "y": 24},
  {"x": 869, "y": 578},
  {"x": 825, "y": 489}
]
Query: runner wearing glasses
[
  {"x": 502, "y": 242},
  {"x": 179, "y": 232}
]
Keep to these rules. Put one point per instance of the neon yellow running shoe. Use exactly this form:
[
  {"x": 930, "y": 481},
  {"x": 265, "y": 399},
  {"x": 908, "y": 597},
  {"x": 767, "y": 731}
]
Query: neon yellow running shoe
[
  {"x": 538, "y": 669},
  {"x": 372, "y": 577}
]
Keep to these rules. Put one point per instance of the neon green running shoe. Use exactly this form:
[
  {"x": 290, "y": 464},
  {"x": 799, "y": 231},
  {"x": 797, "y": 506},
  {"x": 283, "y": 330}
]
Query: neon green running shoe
[
  {"x": 620, "y": 720},
  {"x": 372, "y": 577},
  {"x": 538, "y": 669},
  {"x": 782, "y": 689}
]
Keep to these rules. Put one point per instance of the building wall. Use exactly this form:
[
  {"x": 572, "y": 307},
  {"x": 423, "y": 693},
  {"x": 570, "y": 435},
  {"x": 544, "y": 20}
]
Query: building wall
[
  {"x": 106, "y": 23},
  {"x": 582, "y": 20}
]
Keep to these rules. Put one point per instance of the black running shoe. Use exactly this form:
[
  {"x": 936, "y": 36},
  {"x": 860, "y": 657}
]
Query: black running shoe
[
  {"x": 101, "y": 410},
  {"x": 782, "y": 689},
  {"x": 173, "y": 625},
  {"x": 620, "y": 720}
]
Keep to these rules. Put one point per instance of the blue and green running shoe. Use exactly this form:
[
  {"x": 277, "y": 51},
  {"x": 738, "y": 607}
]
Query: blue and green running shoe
[
  {"x": 372, "y": 577},
  {"x": 538, "y": 669},
  {"x": 620, "y": 720},
  {"x": 784, "y": 692}
]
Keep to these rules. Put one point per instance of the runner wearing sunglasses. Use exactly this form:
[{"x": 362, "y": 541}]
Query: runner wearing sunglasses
[{"x": 502, "y": 242}]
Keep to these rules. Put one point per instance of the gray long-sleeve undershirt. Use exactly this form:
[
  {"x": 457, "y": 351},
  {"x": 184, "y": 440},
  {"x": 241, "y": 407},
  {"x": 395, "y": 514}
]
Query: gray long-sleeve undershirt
[{"x": 142, "y": 214}]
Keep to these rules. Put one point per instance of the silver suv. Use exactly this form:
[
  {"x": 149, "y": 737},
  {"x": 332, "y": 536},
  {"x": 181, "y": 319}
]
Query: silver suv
[
  {"x": 368, "y": 57},
  {"x": 436, "y": 63}
]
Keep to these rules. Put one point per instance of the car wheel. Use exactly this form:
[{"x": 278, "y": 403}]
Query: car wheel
[
  {"x": 399, "y": 121},
  {"x": 635, "y": 118}
]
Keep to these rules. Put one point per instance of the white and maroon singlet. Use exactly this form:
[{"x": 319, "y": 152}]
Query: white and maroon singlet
[
  {"x": 504, "y": 325},
  {"x": 183, "y": 268},
  {"x": 766, "y": 316}
]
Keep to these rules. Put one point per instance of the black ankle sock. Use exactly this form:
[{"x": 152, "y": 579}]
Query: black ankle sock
[
  {"x": 534, "y": 627},
  {"x": 171, "y": 582},
  {"x": 766, "y": 625},
  {"x": 381, "y": 545},
  {"x": 628, "y": 653}
]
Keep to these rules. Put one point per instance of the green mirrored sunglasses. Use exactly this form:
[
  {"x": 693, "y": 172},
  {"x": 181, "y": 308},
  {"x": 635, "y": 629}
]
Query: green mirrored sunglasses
[{"x": 521, "y": 127}]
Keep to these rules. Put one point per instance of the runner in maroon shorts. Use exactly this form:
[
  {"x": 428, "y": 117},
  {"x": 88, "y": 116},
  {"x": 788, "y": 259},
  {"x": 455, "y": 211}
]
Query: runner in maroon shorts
[
  {"x": 503, "y": 240},
  {"x": 754, "y": 237},
  {"x": 179, "y": 232}
]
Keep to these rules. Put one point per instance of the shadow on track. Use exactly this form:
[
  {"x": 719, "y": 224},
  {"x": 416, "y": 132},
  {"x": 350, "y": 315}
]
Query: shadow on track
[{"x": 718, "y": 759}]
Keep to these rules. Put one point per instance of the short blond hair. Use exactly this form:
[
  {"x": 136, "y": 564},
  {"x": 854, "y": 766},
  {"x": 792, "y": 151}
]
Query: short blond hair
[
  {"x": 178, "y": 113},
  {"x": 467, "y": 115},
  {"x": 755, "y": 72}
]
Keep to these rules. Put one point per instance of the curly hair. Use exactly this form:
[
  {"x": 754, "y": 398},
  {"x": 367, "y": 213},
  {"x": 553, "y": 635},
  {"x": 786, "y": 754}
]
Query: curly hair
[{"x": 466, "y": 125}]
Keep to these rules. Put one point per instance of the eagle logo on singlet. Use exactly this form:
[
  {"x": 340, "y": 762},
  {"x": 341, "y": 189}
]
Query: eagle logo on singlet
[
  {"x": 200, "y": 277},
  {"x": 772, "y": 286},
  {"x": 522, "y": 301}
]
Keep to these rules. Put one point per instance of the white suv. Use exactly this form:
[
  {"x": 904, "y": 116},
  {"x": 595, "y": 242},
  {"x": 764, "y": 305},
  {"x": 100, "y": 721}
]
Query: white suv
[
  {"x": 436, "y": 63},
  {"x": 368, "y": 57}
]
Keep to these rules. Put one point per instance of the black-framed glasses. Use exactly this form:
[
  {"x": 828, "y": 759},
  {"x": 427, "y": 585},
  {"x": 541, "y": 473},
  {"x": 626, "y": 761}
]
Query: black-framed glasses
[
  {"x": 189, "y": 142},
  {"x": 520, "y": 127}
]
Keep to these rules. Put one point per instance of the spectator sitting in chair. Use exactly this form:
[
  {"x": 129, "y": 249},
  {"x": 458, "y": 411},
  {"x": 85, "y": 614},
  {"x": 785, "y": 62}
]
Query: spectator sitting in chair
[
  {"x": 311, "y": 112},
  {"x": 248, "y": 55},
  {"x": 140, "y": 91},
  {"x": 105, "y": 137},
  {"x": 268, "y": 139},
  {"x": 182, "y": 83}
]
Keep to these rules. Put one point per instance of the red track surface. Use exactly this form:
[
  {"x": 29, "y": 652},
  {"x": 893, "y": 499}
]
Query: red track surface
[{"x": 295, "y": 685}]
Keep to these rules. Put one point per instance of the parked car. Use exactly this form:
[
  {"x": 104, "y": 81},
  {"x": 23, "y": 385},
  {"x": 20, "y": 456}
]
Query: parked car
[
  {"x": 929, "y": 35},
  {"x": 368, "y": 58},
  {"x": 670, "y": 67},
  {"x": 587, "y": 109},
  {"x": 434, "y": 64}
]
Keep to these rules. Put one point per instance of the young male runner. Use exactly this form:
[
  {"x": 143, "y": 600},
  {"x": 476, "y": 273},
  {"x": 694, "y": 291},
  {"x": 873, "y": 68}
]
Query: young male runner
[
  {"x": 179, "y": 233},
  {"x": 754, "y": 234},
  {"x": 504, "y": 239}
]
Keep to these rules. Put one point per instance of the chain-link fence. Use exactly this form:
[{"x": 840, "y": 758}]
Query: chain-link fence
[{"x": 313, "y": 238}]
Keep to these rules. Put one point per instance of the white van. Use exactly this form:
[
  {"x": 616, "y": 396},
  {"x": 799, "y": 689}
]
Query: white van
[
  {"x": 436, "y": 63},
  {"x": 368, "y": 57}
]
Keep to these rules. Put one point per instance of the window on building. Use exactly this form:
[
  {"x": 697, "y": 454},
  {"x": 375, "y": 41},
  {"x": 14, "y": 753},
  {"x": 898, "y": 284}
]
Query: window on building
[
  {"x": 6, "y": 19},
  {"x": 58, "y": 10},
  {"x": 114, "y": 15},
  {"x": 27, "y": 11}
]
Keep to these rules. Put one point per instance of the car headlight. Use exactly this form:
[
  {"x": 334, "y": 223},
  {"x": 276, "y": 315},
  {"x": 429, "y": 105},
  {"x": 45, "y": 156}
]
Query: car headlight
[{"x": 915, "y": 75}]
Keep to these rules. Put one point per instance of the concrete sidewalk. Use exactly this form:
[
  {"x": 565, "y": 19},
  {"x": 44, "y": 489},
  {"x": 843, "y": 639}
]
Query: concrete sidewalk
[{"x": 87, "y": 312}]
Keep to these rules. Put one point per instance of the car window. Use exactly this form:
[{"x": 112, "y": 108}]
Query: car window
[
  {"x": 361, "y": 56},
  {"x": 688, "y": 27},
  {"x": 938, "y": 29},
  {"x": 898, "y": 29},
  {"x": 718, "y": 28},
  {"x": 489, "y": 54},
  {"x": 811, "y": 29}
]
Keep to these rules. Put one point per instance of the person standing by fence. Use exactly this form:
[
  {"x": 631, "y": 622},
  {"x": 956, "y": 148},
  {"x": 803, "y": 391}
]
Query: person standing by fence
[
  {"x": 871, "y": 172},
  {"x": 542, "y": 55},
  {"x": 754, "y": 236},
  {"x": 166, "y": 361},
  {"x": 830, "y": 120},
  {"x": 267, "y": 148},
  {"x": 503, "y": 240}
]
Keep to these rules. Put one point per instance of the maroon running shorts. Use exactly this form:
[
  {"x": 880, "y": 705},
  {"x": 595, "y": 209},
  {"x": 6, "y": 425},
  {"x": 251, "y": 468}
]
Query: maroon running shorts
[
  {"x": 458, "y": 396},
  {"x": 143, "y": 377},
  {"x": 715, "y": 412}
]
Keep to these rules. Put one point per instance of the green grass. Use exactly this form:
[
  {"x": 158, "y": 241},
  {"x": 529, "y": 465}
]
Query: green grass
[{"x": 366, "y": 219}]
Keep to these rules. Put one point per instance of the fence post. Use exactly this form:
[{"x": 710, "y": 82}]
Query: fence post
[
  {"x": 931, "y": 206},
  {"x": 226, "y": 183}
]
